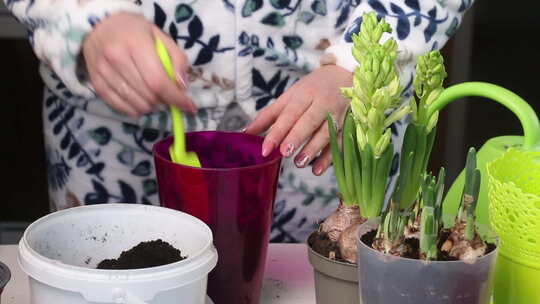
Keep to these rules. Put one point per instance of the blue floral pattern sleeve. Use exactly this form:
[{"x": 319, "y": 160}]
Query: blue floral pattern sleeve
[
  {"x": 419, "y": 26},
  {"x": 57, "y": 28}
]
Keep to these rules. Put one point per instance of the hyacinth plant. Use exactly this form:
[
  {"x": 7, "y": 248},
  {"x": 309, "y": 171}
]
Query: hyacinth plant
[
  {"x": 461, "y": 241},
  {"x": 464, "y": 242},
  {"x": 402, "y": 215},
  {"x": 363, "y": 163},
  {"x": 431, "y": 215}
]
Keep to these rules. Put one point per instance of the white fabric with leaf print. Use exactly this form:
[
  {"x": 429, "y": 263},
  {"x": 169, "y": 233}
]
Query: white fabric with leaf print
[{"x": 244, "y": 54}]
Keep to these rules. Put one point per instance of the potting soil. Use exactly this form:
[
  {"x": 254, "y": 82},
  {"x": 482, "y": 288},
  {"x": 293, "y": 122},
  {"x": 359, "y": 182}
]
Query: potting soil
[
  {"x": 413, "y": 246},
  {"x": 144, "y": 255},
  {"x": 321, "y": 244}
]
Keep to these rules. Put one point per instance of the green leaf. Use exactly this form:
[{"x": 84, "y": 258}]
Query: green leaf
[
  {"x": 101, "y": 135},
  {"x": 367, "y": 165},
  {"x": 308, "y": 200},
  {"x": 251, "y": 6},
  {"x": 439, "y": 193},
  {"x": 274, "y": 19},
  {"x": 319, "y": 7},
  {"x": 470, "y": 167},
  {"x": 293, "y": 41},
  {"x": 429, "y": 147},
  {"x": 150, "y": 135},
  {"x": 380, "y": 180},
  {"x": 142, "y": 169},
  {"x": 349, "y": 154},
  {"x": 130, "y": 129},
  {"x": 149, "y": 187},
  {"x": 280, "y": 4},
  {"x": 306, "y": 17},
  {"x": 163, "y": 120},
  {"x": 126, "y": 157},
  {"x": 183, "y": 12},
  {"x": 428, "y": 233},
  {"x": 404, "y": 177},
  {"x": 337, "y": 160}
]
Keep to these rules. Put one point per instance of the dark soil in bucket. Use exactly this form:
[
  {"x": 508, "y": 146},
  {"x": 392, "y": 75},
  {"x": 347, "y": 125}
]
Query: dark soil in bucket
[{"x": 144, "y": 255}]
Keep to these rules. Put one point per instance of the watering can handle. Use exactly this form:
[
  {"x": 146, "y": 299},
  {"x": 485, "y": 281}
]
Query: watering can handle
[{"x": 524, "y": 112}]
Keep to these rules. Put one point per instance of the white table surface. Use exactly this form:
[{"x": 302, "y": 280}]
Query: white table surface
[{"x": 288, "y": 277}]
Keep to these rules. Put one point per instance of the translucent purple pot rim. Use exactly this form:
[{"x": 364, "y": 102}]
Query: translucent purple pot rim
[
  {"x": 5, "y": 275},
  {"x": 273, "y": 158},
  {"x": 374, "y": 223}
]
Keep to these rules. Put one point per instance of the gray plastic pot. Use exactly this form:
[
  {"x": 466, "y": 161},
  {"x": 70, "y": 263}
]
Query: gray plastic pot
[
  {"x": 335, "y": 282},
  {"x": 5, "y": 275},
  {"x": 385, "y": 279}
]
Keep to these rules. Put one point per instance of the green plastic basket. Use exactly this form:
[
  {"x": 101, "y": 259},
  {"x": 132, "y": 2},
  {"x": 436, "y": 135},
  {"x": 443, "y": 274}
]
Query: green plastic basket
[{"x": 514, "y": 210}]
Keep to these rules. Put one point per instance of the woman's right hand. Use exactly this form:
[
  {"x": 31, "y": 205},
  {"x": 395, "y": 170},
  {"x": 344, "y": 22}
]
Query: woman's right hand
[{"x": 125, "y": 70}]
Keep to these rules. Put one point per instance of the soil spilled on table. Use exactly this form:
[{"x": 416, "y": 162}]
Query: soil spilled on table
[{"x": 144, "y": 255}]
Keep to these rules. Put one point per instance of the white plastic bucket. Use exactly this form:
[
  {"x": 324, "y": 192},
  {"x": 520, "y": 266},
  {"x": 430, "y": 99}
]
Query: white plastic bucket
[{"x": 59, "y": 252}]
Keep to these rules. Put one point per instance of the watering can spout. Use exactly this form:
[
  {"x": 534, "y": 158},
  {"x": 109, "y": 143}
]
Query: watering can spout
[{"x": 494, "y": 147}]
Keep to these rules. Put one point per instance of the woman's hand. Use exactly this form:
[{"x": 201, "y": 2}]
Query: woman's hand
[
  {"x": 125, "y": 69},
  {"x": 299, "y": 115}
]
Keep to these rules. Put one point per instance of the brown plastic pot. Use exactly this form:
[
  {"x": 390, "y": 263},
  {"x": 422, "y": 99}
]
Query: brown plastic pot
[
  {"x": 5, "y": 275},
  {"x": 335, "y": 282}
]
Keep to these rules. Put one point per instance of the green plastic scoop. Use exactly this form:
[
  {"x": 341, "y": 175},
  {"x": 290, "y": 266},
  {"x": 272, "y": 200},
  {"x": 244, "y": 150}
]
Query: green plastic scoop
[
  {"x": 177, "y": 150},
  {"x": 493, "y": 148}
]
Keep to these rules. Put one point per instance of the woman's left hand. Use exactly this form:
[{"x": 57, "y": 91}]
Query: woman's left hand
[{"x": 299, "y": 116}]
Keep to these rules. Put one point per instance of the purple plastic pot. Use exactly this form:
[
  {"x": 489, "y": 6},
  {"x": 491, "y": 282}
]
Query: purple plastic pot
[
  {"x": 5, "y": 275},
  {"x": 234, "y": 194}
]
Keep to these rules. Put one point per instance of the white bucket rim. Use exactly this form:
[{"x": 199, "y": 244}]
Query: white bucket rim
[
  {"x": 133, "y": 274},
  {"x": 143, "y": 283}
]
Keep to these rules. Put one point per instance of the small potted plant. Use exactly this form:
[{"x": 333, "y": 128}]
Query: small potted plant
[
  {"x": 409, "y": 257},
  {"x": 363, "y": 163}
]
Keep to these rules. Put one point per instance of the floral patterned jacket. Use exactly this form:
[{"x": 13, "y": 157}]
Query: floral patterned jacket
[{"x": 244, "y": 54}]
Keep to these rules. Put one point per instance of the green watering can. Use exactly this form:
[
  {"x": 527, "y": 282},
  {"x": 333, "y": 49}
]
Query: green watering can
[
  {"x": 493, "y": 148},
  {"x": 514, "y": 211},
  {"x": 510, "y": 168}
]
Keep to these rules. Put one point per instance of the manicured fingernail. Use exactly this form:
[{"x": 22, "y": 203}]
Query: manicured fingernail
[
  {"x": 301, "y": 160},
  {"x": 318, "y": 170},
  {"x": 181, "y": 79},
  {"x": 243, "y": 130},
  {"x": 267, "y": 147},
  {"x": 290, "y": 150}
]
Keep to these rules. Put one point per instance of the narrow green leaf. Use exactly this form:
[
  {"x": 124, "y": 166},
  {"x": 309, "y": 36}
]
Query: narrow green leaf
[
  {"x": 380, "y": 180},
  {"x": 404, "y": 177},
  {"x": 470, "y": 166},
  {"x": 428, "y": 233},
  {"x": 439, "y": 192},
  {"x": 337, "y": 160},
  {"x": 349, "y": 155},
  {"x": 429, "y": 147},
  {"x": 357, "y": 179},
  {"x": 367, "y": 164},
  {"x": 413, "y": 188}
]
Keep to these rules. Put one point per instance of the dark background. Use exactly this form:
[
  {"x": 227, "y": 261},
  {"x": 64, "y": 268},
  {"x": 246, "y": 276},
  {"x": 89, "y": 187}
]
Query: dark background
[{"x": 497, "y": 43}]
